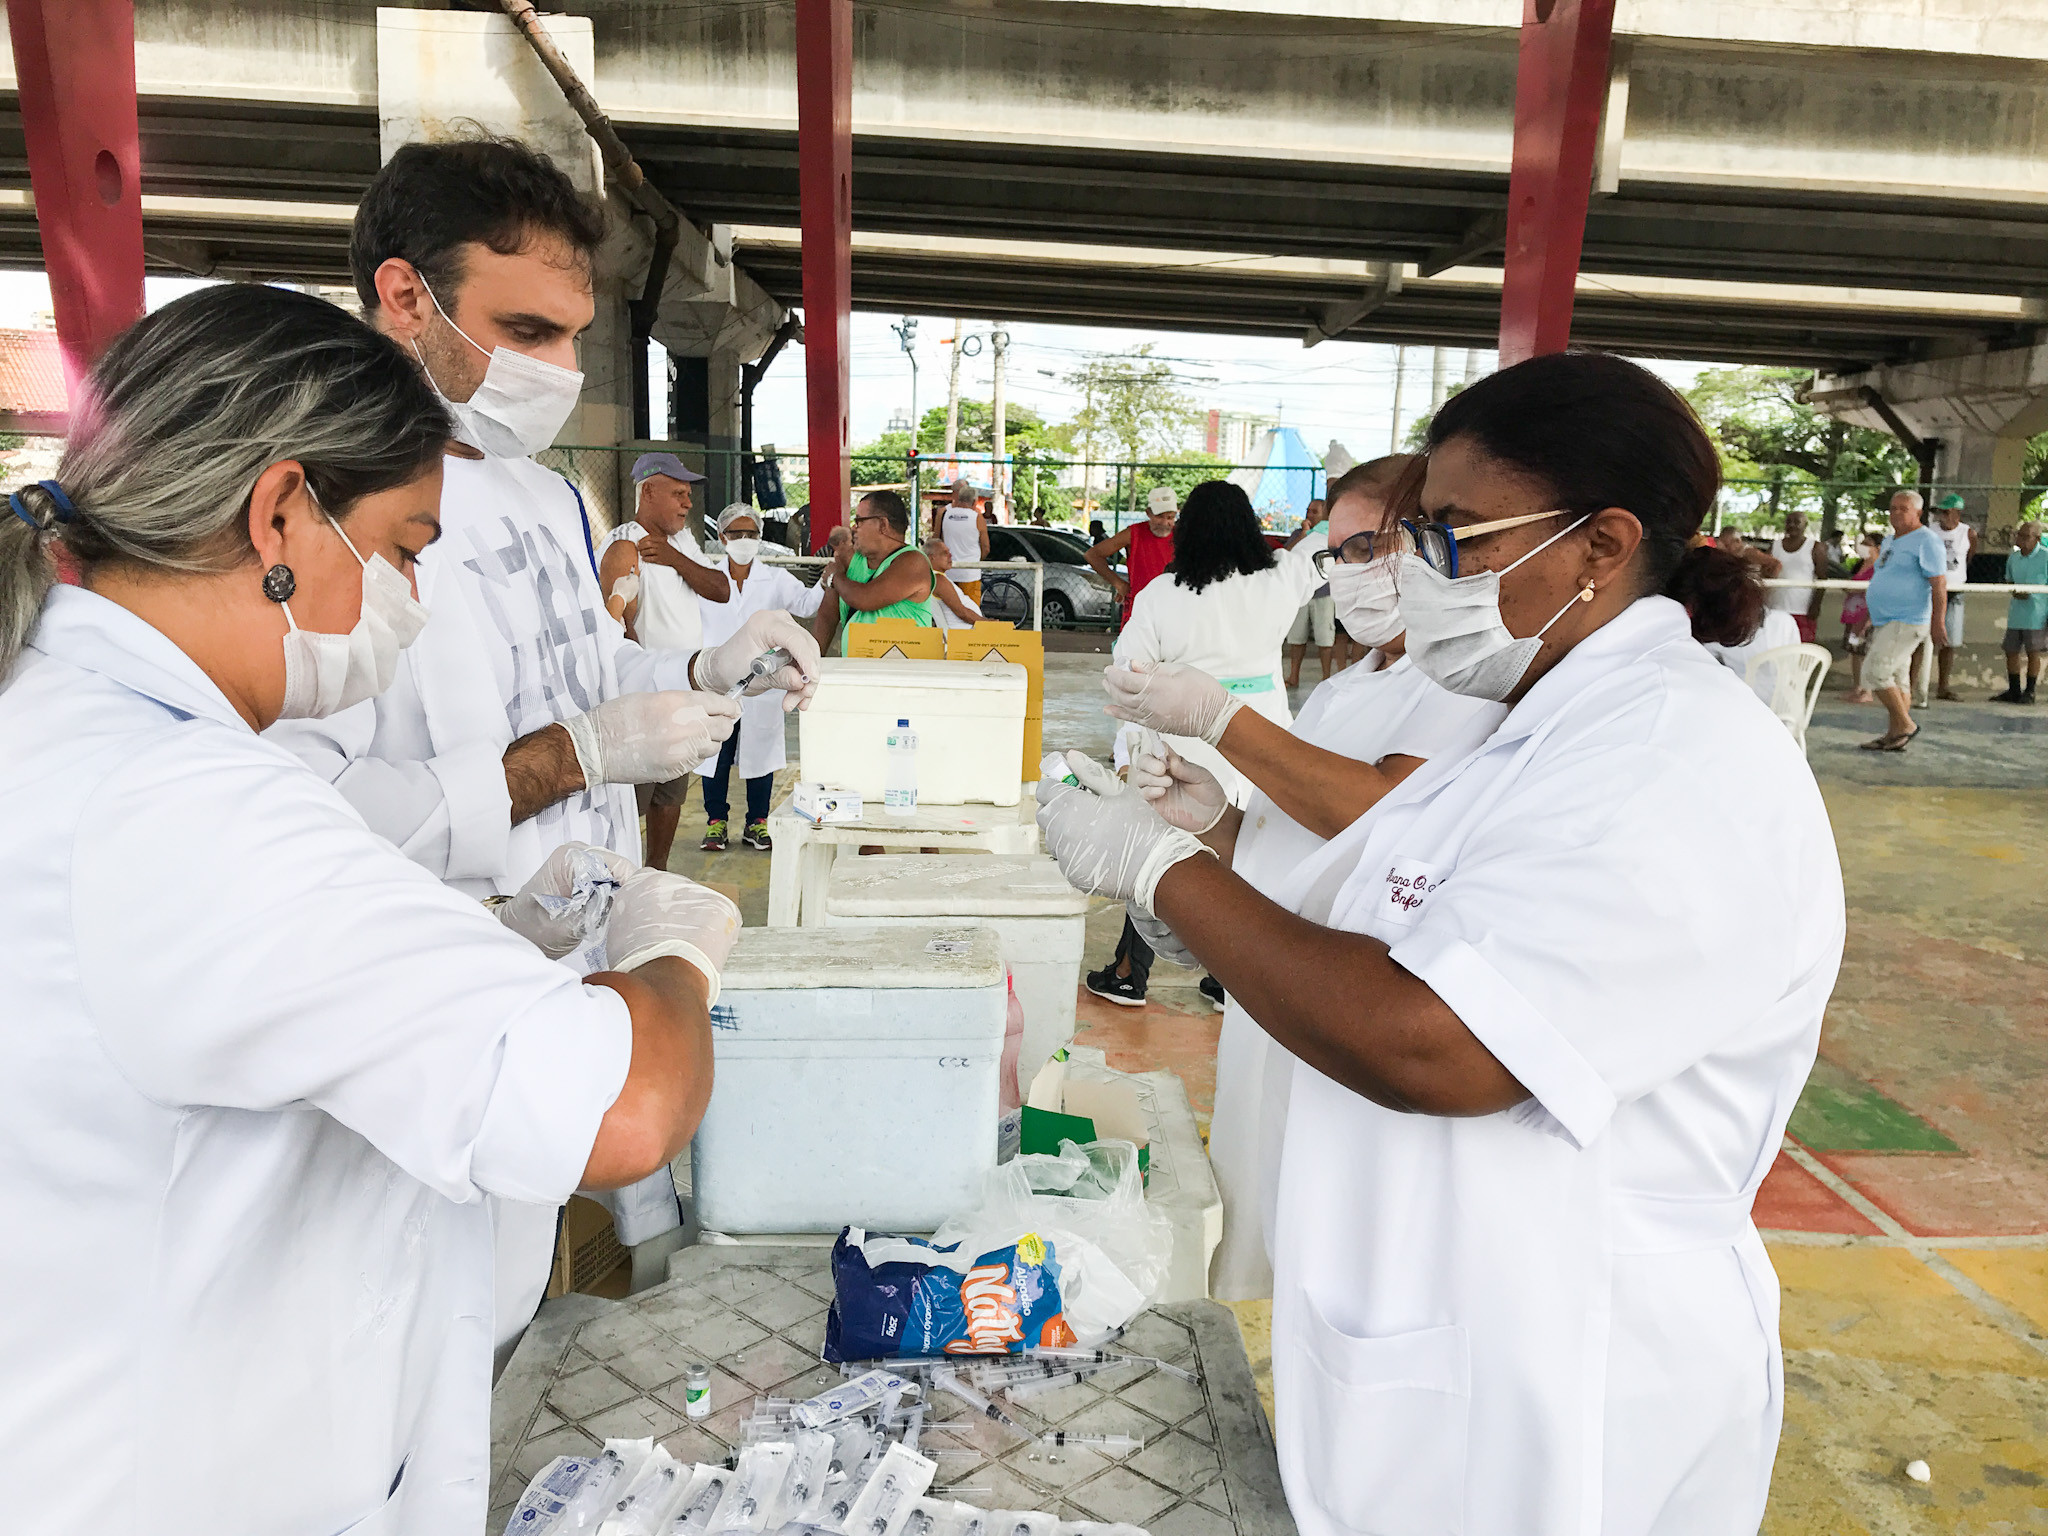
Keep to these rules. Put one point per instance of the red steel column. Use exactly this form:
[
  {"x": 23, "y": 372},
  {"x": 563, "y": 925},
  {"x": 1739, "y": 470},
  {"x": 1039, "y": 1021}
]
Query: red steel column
[
  {"x": 75, "y": 64},
  {"x": 1560, "y": 87},
  {"x": 824, "y": 147}
]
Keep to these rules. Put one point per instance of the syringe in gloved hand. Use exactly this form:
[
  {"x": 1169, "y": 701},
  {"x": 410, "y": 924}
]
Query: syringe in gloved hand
[{"x": 767, "y": 664}]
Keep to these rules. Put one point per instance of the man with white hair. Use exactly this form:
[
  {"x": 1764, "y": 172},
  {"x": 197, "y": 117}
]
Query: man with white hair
[
  {"x": 655, "y": 578},
  {"x": 958, "y": 525},
  {"x": 2026, "y": 620},
  {"x": 1907, "y": 591}
]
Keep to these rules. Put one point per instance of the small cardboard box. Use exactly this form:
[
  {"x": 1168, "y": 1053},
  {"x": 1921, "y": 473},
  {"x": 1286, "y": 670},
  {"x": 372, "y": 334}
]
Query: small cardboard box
[
  {"x": 587, "y": 1247},
  {"x": 896, "y": 637},
  {"x": 822, "y": 803}
]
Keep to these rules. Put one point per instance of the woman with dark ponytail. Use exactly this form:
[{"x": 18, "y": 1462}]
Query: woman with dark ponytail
[{"x": 1548, "y": 1022}]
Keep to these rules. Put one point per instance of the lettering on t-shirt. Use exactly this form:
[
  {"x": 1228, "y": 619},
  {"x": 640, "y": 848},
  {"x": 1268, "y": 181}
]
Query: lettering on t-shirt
[{"x": 1406, "y": 888}]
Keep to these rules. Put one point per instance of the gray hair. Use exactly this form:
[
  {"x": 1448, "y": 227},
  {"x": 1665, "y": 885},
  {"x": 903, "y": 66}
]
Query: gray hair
[
  {"x": 1914, "y": 497},
  {"x": 183, "y": 413},
  {"x": 2028, "y": 524}
]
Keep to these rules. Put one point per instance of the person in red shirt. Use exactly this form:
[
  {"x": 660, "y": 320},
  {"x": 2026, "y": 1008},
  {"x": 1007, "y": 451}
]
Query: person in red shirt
[{"x": 1147, "y": 548}]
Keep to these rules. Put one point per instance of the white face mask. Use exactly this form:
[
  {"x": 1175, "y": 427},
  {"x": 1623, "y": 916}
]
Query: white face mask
[
  {"x": 520, "y": 405},
  {"x": 326, "y": 673},
  {"x": 742, "y": 551},
  {"x": 1368, "y": 601},
  {"x": 1455, "y": 633}
]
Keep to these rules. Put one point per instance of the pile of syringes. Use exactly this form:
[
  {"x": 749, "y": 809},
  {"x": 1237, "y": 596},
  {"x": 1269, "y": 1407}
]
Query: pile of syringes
[{"x": 848, "y": 1462}]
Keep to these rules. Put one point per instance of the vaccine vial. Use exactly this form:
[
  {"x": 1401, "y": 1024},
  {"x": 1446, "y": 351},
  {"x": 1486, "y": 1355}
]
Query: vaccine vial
[{"x": 697, "y": 1392}]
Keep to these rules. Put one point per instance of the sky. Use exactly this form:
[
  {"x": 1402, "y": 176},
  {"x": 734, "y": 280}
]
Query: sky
[{"x": 1339, "y": 390}]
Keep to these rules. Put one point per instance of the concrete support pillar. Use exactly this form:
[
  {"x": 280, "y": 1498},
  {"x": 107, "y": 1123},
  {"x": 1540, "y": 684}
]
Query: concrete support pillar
[{"x": 442, "y": 75}]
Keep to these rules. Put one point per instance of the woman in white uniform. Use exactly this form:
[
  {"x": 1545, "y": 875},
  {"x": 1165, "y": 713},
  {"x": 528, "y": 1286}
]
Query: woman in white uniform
[
  {"x": 1553, "y": 1028},
  {"x": 1357, "y": 736},
  {"x": 262, "y": 1069},
  {"x": 756, "y": 748}
]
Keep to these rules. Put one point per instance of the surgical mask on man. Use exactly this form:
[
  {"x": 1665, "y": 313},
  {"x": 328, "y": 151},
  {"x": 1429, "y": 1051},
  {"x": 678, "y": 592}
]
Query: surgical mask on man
[
  {"x": 742, "y": 551},
  {"x": 1455, "y": 634},
  {"x": 1367, "y": 600},
  {"x": 519, "y": 407},
  {"x": 324, "y": 674}
]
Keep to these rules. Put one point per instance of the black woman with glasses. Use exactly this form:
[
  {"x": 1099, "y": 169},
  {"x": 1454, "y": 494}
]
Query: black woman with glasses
[{"x": 1548, "y": 1020}]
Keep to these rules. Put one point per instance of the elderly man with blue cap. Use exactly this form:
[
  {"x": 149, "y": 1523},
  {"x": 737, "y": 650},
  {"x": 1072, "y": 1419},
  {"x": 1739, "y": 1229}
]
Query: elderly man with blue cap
[
  {"x": 654, "y": 574},
  {"x": 522, "y": 718}
]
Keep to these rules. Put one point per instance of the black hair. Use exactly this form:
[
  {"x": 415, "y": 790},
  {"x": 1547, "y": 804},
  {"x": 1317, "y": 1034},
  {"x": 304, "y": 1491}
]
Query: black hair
[
  {"x": 1600, "y": 431},
  {"x": 430, "y": 200},
  {"x": 895, "y": 511},
  {"x": 1217, "y": 536},
  {"x": 1720, "y": 592}
]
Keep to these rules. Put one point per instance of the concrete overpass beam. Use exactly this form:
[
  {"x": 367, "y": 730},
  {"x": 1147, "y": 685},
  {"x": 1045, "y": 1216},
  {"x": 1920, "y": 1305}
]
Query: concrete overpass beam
[{"x": 1981, "y": 407}]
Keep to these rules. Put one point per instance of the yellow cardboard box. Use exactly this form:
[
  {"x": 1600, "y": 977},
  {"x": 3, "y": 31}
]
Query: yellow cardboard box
[
  {"x": 1024, "y": 648},
  {"x": 896, "y": 637}
]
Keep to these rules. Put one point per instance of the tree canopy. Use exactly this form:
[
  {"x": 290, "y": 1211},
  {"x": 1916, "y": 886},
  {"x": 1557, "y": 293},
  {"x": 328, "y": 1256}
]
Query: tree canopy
[{"x": 1131, "y": 406}]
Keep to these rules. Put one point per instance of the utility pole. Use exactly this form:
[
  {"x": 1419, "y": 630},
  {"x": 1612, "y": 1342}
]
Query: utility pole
[
  {"x": 1400, "y": 377},
  {"x": 999, "y": 343},
  {"x": 953, "y": 389},
  {"x": 1471, "y": 366},
  {"x": 1439, "y": 386},
  {"x": 906, "y": 333}
]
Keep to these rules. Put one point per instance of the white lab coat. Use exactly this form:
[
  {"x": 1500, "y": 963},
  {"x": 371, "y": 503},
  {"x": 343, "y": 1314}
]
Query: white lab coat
[
  {"x": 769, "y": 588},
  {"x": 1361, "y": 714},
  {"x": 1559, "y": 1318},
  {"x": 1232, "y": 630},
  {"x": 261, "y": 1073},
  {"x": 517, "y": 638}
]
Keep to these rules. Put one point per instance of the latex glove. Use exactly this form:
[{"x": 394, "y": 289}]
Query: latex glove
[
  {"x": 1186, "y": 794},
  {"x": 627, "y": 588},
  {"x": 657, "y": 913},
  {"x": 1165, "y": 943},
  {"x": 568, "y": 899},
  {"x": 1170, "y": 697},
  {"x": 1110, "y": 845},
  {"x": 722, "y": 666},
  {"x": 650, "y": 738}
]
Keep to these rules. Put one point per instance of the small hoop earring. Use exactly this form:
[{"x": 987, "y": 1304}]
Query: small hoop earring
[{"x": 279, "y": 583}]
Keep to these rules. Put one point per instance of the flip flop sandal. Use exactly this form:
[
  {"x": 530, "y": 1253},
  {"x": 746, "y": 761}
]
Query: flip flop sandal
[
  {"x": 1879, "y": 744},
  {"x": 1899, "y": 743}
]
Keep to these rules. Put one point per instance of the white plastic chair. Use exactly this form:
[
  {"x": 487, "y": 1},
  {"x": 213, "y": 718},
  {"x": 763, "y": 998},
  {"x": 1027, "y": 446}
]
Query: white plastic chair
[{"x": 1801, "y": 669}]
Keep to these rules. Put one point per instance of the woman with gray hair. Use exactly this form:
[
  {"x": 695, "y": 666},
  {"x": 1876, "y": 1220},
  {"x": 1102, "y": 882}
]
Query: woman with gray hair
[{"x": 261, "y": 1070}]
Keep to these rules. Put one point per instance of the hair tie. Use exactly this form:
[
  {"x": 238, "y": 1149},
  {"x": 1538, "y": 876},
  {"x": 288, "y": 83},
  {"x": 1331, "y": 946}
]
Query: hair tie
[{"x": 65, "y": 512}]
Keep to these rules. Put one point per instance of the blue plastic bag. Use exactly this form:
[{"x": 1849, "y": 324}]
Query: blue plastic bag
[{"x": 1006, "y": 1301}]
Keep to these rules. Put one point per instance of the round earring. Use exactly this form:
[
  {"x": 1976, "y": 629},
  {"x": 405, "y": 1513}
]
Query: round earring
[
  {"x": 1586, "y": 594},
  {"x": 279, "y": 583}
]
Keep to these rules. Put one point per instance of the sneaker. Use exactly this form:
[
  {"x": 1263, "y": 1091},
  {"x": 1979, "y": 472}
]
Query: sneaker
[
  {"x": 2010, "y": 696},
  {"x": 1124, "y": 991},
  {"x": 714, "y": 837},
  {"x": 757, "y": 836},
  {"x": 1212, "y": 989}
]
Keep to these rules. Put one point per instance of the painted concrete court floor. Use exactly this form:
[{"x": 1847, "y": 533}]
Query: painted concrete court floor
[{"x": 1908, "y": 1213}]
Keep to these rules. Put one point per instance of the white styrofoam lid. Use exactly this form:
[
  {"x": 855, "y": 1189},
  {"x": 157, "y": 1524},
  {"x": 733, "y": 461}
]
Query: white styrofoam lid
[
  {"x": 884, "y": 957},
  {"x": 952, "y": 885},
  {"x": 896, "y": 672}
]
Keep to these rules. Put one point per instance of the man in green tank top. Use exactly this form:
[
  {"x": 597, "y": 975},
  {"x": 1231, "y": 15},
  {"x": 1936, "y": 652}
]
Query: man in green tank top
[{"x": 878, "y": 575}]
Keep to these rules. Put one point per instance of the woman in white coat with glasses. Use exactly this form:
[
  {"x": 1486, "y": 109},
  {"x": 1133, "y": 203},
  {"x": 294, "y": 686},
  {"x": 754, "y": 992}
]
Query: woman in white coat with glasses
[
  {"x": 1517, "y": 1288},
  {"x": 261, "y": 1069}
]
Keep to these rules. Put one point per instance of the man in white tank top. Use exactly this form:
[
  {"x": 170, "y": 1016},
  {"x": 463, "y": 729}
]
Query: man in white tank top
[
  {"x": 1960, "y": 540},
  {"x": 959, "y": 527},
  {"x": 1794, "y": 550}
]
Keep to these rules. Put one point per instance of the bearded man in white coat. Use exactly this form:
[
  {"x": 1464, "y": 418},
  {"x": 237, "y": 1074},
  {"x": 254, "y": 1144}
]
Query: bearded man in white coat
[{"x": 522, "y": 717}]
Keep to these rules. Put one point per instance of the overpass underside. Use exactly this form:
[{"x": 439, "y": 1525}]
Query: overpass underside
[{"x": 1262, "y": 170}]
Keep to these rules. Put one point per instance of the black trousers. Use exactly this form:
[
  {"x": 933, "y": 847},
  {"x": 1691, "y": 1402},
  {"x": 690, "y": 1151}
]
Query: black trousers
[{"x": 1132, "y": 946}]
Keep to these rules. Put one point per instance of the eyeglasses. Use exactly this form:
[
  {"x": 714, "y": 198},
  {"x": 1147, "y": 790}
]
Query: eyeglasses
[
  {"x": 1436, "y": 543},
  {"x": 868, "y": 517}
]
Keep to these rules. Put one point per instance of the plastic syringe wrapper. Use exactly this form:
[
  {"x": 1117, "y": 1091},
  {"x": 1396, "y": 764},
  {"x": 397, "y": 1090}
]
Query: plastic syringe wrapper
[
  {"x": 1021, "y": 1522},
  {"x": 807, "y": 1486},
  {"x": 874, "y": 1390},
  {"x": 897, "y": 1482},
  {"x": 571, "y": 1494},
  {"x": 756, "y": 1486},
  {"x": 933, "y": 1517},
  {"x": 649, "y": 1501},
  {"x": 700, "y": 1501}
]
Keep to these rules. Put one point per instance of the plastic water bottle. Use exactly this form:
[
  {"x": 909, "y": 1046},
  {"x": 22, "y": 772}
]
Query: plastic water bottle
[{"x": 899, "y": 788}]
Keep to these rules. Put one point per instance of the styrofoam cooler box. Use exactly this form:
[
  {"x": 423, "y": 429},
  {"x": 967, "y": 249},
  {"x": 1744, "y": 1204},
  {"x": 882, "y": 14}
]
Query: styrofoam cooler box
[
  {"x": 1036, "y": 915},
  {"x": 968, "y": 716},
  {"x": 857, "y": 1079}
]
